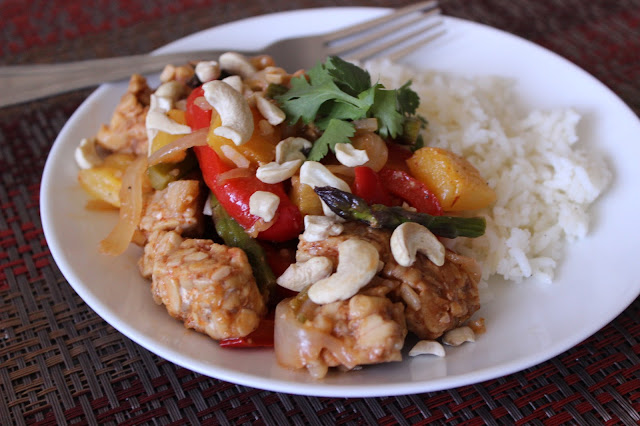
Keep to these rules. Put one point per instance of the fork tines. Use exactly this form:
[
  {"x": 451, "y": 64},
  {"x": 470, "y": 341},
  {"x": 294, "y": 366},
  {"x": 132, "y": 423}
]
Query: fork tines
[{"x": 396, "y": 34}]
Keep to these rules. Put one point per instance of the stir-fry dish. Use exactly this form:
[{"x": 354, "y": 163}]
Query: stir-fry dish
[{"x": 301, "y": 211}]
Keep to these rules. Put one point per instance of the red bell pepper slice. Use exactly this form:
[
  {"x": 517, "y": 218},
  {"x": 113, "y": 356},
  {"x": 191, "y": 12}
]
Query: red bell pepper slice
[
  {"x": 196, "y": 117},
  {"x": 403, "y": 185},
  {"x": 397, "y": 156},
  {"x": 260, "y": 337},
  {"x": 234, "y": 194},
  {"x": 367, "y": 185}
]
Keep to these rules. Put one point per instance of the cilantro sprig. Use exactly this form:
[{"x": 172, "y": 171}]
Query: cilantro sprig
[{"x": 336, "y": 93}]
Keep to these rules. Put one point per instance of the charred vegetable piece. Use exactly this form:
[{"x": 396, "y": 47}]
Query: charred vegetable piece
[
  {"x": 234, "y": 235},
  {"x": 351, "y": 207}
]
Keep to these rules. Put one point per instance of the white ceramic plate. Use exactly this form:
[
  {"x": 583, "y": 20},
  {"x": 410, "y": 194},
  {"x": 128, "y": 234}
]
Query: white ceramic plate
[{"x": 527, "y": 324}]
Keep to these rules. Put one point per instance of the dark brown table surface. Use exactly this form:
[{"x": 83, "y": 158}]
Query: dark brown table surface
[{"x": 61, "y": 363}]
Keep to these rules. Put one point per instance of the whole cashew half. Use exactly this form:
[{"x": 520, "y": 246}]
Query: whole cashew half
[
  {"x": 357, "y": 264},
  {"x": 291, "y": 149},
  {"x": 235, "y": 63},
  {"x": 458, "y": 336},
  {"x": 299, "y": 275},
  {"x": 235, "y": 113},
  {"x": 410, "y": 238}
]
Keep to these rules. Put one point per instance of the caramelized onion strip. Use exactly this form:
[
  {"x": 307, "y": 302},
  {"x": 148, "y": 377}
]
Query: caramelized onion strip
[
  {"x": 238, "y": 172},
  {"x": 164, "y": 154},
  {"x": 130, "y": 209}
]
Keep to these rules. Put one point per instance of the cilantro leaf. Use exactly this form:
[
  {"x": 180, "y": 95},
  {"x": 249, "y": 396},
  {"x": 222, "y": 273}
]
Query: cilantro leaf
[
  {"x": 408, "y": 100},
  {"x": 384, "y": 109},
  {"x": 337, "y": 131},
  {"x": 305, "y": 98},
  {"x": 335, "y": 93},
  {"x": 350, "y": 78}
]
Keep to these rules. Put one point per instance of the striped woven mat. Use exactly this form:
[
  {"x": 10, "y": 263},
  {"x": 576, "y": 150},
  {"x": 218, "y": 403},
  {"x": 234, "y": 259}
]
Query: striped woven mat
[{"x": 61, "y": 363}]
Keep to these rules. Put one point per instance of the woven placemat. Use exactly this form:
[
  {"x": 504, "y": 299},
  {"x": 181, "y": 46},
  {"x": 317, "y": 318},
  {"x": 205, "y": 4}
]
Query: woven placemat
[{"x": 61, "y": 363}]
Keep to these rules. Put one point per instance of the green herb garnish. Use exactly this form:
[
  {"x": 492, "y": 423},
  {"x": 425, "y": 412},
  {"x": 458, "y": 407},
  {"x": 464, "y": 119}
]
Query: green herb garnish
[{"x": 338, "y": 92}]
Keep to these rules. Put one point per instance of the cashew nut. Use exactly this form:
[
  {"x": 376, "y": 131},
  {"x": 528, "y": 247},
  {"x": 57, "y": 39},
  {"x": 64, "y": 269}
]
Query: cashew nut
[
  {"x": 410, "y": 238},
  {"x": 270, "y": 111},
  {"x": 168, "y": 73},
  {"x": 458, "y": 336},
  {"x": 160, "y": 103},
  {"x": 318, "y": 228},
  {"x": 234, "y": 81},
  {"x": 235, "y": 63},
  {"x": 264, "y": 205},
  {"x": 301, "y": 274},
  {"x": 235, "y": 114},
  {"x": 274, "y": 172},
  {"x": 349, "y": 155},
  {"x": 207, "y": 71},
  {"x": 291, "y": 149},
  {"x": 274, "y": 77},
  {"x": 314, "y": 174},
  {"x": 357, "y": 264},
  {"x": 427, "y": 347},
  {"x": 86, "y": 155},
  {"x": 173, "y": 90},
  {"x": 157, "y": 119}
]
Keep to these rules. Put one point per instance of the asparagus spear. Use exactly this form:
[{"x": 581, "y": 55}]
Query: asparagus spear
[
  {"x": 234, "y": 235},
  {"x": 352, "y": 207}
]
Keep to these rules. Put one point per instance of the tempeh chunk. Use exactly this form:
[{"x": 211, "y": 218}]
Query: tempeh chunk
[
  {"x": 208, "y": 286},
  {"x": 362, "y": 330},
  {"x": 437, "y": 298},
  {"x": 126, "y": 131}
]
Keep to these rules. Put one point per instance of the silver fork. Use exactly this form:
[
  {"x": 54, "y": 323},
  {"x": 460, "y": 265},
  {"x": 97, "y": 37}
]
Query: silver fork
[{"x": 20, "y": 83}]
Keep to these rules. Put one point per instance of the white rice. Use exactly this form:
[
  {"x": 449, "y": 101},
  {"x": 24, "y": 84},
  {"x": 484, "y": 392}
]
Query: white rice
[{"x": 544, "y": 182}]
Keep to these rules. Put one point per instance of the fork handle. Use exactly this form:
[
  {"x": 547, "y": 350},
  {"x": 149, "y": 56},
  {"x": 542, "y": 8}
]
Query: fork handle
[{"x": 21, "y": 83}]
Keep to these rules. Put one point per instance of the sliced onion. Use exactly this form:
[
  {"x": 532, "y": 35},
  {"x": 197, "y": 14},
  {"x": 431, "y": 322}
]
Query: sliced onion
[
  {"x": 99, "y": 205},
  {"x": 130, "y": 209},
  {"x": 238, "y": 172},
  {"x": 170, "y": 150},
  {"x": 236, "y": 157}
]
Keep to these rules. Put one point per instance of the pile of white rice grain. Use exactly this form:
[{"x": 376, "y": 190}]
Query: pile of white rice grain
[{"x": 544, "y": 183}]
